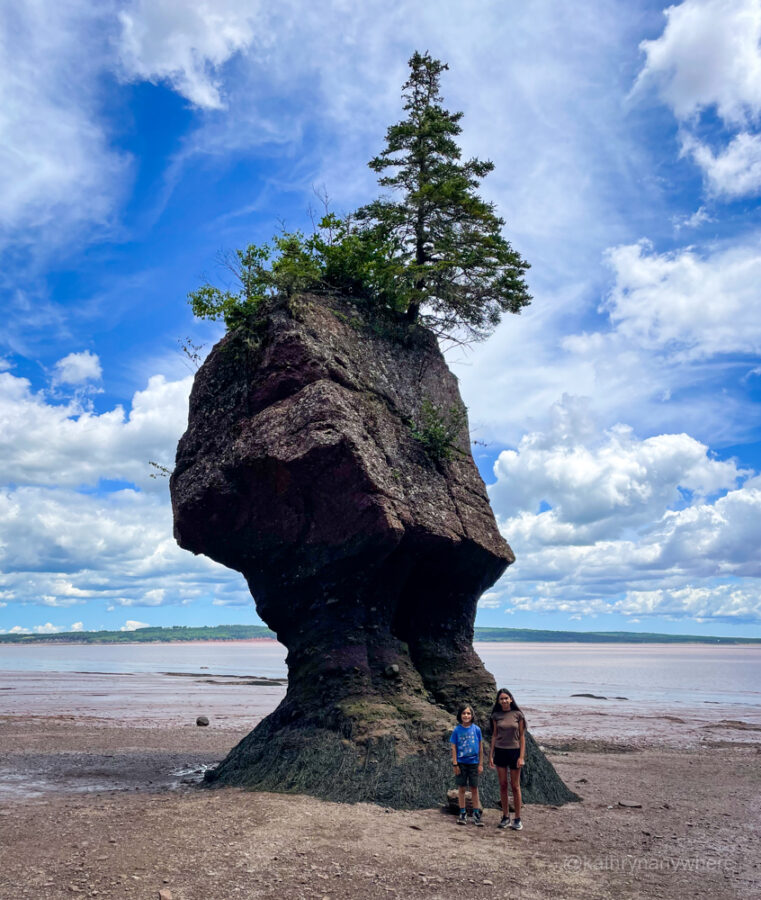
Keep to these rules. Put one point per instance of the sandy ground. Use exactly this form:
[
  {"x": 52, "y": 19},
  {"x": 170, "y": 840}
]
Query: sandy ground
[{"x": 98, "y": 808}]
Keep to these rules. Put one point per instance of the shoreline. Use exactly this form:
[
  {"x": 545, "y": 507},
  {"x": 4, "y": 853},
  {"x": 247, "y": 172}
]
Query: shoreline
[{"x": 750, "y": 643}]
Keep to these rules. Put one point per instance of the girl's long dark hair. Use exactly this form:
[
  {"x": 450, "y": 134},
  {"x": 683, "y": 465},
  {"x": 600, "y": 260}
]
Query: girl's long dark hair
[{"x": 513, "y": 705}]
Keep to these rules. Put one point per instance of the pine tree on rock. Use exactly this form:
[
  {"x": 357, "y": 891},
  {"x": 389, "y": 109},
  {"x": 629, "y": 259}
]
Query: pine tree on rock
[{"x": 454, "y": 269}]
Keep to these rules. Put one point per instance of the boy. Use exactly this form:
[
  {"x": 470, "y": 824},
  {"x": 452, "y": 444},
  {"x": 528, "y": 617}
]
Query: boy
[{"x": 467, "y": 759}]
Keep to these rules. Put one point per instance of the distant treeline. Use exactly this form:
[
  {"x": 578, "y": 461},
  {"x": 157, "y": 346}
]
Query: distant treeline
[
  {"x": 601, "y": 637},
  {"x": 146, "y": 635},
  {"x": 246, "y": 632}
]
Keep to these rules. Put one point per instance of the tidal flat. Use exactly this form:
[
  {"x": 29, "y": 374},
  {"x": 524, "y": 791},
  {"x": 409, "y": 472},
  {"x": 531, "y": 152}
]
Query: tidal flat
[{"x": 99, "y": 793}]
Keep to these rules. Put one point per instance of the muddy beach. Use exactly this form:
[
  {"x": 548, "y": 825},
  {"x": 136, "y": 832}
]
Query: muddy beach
[{"x": 98, "y": 803}]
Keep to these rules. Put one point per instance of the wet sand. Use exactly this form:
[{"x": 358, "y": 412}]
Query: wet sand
[{"x": 98, "y": 797}]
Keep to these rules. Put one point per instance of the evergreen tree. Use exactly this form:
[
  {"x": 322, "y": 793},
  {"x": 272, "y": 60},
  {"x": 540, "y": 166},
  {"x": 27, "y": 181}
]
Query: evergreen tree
[{"x": 454, "y": 268}]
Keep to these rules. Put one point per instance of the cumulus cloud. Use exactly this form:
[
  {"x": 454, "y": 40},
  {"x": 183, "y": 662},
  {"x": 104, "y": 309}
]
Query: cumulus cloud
[
  {"x": 65, "y": 539},
  {"x": 617, "y": 524},
  {"x": 77, "y": 368},
  {"x": 734, "y": 171},
  {"x": 133, "y": 625},
  {"x": 709, "y": 57},
  {"x": 703, "y": 304},
  {"x": 44, "y": 443},
  {"x": 60, "y": 548},
  {"x": 47, "y": 628},
  {"x": 78, "y": 626},
  {"x": 737, "y": 603},
  {"x": 490, "y": 600},
  {"x": 602, "y": 486},
  {"x": 185, "y": 43}
]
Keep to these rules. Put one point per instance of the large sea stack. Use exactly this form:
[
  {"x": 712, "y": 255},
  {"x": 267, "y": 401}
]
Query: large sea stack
[{"x": 313, "y": 465}]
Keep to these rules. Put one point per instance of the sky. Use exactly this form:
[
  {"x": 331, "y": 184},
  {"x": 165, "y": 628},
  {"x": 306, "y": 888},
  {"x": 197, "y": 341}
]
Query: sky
[{"x": 617, "y": 419}]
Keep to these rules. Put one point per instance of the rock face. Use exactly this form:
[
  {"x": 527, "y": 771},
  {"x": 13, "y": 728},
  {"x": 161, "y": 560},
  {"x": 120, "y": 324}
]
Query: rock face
[{"x": 306, "y": 467}]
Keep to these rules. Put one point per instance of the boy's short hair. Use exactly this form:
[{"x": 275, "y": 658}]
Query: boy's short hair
[{"x": 462, "y": 709}]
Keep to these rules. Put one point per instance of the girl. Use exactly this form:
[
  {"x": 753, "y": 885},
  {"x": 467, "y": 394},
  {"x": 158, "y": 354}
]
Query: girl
[
  {"x": 468, "y": 762},
  {"x": 508, "y": 751}
]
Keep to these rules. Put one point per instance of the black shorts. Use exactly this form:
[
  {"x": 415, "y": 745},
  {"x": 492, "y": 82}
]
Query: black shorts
[
  {"x": 506, "y": 759},
  {"x": 468, "y": 775}
]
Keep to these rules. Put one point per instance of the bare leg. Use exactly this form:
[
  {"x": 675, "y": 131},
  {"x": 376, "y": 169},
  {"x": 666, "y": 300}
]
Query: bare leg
[
  {"x": 475, "y": 798},
  {"x": 503, "y": 798},
  {"x": 461, "y": 797},
  {"x": 515, "y": 784}
]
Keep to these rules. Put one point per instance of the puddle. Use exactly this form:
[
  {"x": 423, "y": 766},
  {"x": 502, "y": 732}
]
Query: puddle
[
  {"x": 33, "y": 778},
  {"x": 191, "y": 774}
]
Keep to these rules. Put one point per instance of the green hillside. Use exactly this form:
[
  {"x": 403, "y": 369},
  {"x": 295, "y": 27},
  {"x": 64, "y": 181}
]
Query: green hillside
[{"x": 246, "y": 632}]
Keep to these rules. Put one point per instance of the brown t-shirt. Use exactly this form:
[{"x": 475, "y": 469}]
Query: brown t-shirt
[{"x": 508, "y": 729}]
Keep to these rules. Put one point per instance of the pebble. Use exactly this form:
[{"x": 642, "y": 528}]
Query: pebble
[
  {"x": 487, "y": 881},
  {"x": 165, "y": 895}
]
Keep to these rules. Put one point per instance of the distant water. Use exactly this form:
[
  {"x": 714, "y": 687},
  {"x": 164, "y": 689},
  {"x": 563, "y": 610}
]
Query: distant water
[{"x": 545, "y": 674}]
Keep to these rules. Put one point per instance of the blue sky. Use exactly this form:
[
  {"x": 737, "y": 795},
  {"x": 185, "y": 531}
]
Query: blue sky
[{"x": 618, "y": 418}]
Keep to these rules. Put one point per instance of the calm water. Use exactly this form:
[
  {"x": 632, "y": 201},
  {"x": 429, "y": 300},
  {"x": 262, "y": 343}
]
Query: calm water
[{"x": 537, "y": 673}]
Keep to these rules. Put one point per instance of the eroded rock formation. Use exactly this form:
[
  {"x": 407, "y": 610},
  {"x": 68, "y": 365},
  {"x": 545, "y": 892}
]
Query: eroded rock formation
[{"x": 305, "y": 467}]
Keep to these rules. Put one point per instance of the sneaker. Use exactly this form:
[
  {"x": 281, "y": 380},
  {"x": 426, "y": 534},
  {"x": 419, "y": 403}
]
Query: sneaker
[
  {"x": 477, "y": 818},
  {"x": 504, "y": 822},
  {"x": 462, "y": 818},
  {"x": 517, "y": 825}
]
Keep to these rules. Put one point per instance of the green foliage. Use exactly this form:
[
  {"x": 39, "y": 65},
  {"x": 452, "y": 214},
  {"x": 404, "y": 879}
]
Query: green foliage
[
  {"x": 246, "y": 632},
  {"x": 454, "y": 268},
  {"x": 438, "y": 430},
  {"x": 149, "y": 634},
  {"x": 433, "y": 251},
  {"x": 289, "y": 265}
]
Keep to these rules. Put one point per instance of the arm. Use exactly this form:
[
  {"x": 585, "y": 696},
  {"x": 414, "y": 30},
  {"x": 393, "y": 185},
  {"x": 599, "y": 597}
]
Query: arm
[
  {"x": 480, "y": 753},
  {"x": 493, "y": 740},
  {"x": 454, "y": 758},
  {"x": 522, "y": 757}
]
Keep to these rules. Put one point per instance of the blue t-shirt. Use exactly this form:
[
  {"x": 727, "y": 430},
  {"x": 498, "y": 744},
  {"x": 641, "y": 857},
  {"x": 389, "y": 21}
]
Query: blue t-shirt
[{"x": 467, "y": 740}]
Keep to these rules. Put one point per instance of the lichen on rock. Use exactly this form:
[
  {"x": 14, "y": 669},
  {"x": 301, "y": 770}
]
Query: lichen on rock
[{"x": 302, "y": 467}]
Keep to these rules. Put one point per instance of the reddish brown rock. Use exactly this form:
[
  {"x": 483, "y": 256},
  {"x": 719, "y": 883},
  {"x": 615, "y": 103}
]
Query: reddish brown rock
[{"x": 302, "y": 467}]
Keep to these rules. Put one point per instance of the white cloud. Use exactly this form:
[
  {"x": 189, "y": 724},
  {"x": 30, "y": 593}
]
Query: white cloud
[
  {"x": 611, "y": 523},
  {"x": 47, "y": 628},
  {"x": 132, "y": 625},
  {"x": 700, "y": 217},
  {"x": 708, "y": 55},
  {"x": 77, "y": 368},
  {"x": 702, "y": 305},
  {"x": 60, "y": 548},
  {"x": 490, "y": 600},
  {"x": 58, "y": 174},
  {"x": 184, "y": 43},
  {"x": 42, "y": 443},
  {"x": 733, "y": 172},
  {"x": 18, "y": 629},
  {"x": 736, "y": 602},
  {"x": 78, "y": 626},
  {"x": 602, "y": 486}
]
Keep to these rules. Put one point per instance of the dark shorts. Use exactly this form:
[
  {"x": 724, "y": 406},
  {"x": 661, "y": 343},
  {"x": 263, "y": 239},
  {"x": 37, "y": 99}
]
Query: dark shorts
[
  {"x": 506, "y": 759},
  {"x": 468, "y": 775}
]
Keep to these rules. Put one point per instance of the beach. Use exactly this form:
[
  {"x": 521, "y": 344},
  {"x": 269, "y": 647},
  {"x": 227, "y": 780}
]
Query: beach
[{"x": 100, "y": 797}]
